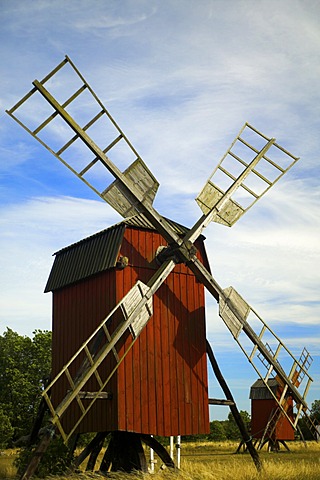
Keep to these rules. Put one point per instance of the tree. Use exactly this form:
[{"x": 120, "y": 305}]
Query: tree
[
  {"x": 6, "y": 430},
  {"x": 304, "y": 429},
  {"x": 231, "y": 428},
  {"x": 25, "y": 365},
  {"x": 217, "y": 431},
  {"x": 315, "y": 412}
]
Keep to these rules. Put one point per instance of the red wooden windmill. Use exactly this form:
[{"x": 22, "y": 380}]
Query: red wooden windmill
[
  {"x": 114, "y": 370},
  {"x": 161, "y": 386},
  {"x": 271, "y": 424}
]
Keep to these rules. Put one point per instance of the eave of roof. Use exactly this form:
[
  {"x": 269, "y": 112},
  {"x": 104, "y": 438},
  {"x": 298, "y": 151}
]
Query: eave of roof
[
  {"x": 96, "y": 253},
  {"x": 85, "y": 258}
]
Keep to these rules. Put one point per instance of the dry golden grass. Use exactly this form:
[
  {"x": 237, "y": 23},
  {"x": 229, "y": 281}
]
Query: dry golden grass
[{"x": 217, "y": 461}]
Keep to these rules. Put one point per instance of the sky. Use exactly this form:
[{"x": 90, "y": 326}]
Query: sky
[{"x": 180, "y": 78}]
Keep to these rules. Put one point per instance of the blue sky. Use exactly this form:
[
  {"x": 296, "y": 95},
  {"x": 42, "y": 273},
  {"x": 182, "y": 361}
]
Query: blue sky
[{"x": 180, "y": 78}]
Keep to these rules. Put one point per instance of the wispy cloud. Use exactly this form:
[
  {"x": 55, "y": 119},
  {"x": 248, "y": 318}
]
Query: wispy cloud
[{"x": 31, "y": 233}]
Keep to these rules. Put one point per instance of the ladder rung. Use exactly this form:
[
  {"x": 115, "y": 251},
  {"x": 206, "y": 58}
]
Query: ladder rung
[
  {"x": 54, "y": 71},
  {"x": 82, "y": 407},
  {"x": 283, "y": 395},
  {"x": 91, "y": 164},
  {"x": 275, "y": 356},
  {"x": 48, "y": 400},
  {"x": 258, "y": 174},
  {"x": 98, "y": 378},
  {"x": 70, "y": 380},
  {"x": 255, "y": 348},
  {"x": 106, "y": 331},
  {"x": 267, "y": 159},
  {"x": 264, "y": 157},
  {"x": 72, "y": 385},
  {"x": 274, "y": 144},
  {"x": 237, "y": 158},
  {"x": 257, "y": 131},
  {"x": 230, "y": 175},
  {"x": 74, "y": 138},
  {"x": 25, "y": 98},
  {"x": 89, "y": 356},
  {"x": 96, "y": 159},
  {"x": 44, "y": 80},
  {"x": 263, "y": 329},
  {"x": 298, "y": 414},
  {"x": 262, "y": 177},
  {"x": 268, "y": 373},
  {"x": 55, "y": 113}
]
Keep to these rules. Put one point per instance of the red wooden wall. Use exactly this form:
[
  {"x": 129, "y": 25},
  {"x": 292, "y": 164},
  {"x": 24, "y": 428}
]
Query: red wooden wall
[
  {"x": 161, "y": 386},
  {"x": 260, "y": 414}
]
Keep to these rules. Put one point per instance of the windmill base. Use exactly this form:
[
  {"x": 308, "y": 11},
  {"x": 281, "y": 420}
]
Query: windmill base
[
  {"x": 273, "y": 445},
  {"x": 124, "y": 452}
]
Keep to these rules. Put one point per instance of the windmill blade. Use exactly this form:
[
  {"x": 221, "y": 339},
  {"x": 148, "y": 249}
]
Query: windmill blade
[
  {"x": 302, "y": 367},
  {"x": 100, "y": 124},
  {"x": 254, "y": 337},
  {"x": 133, "y": 190},
  {"x": 254, "y": 174}
]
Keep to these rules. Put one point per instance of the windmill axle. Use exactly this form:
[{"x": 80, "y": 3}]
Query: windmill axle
[{"x": 183, "y": 253}]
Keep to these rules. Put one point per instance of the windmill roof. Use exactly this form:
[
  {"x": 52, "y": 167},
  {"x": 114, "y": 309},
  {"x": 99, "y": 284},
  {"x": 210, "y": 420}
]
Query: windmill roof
[
  {"x": 96, "y": 253},
  {"x": 259, "y": 391}
]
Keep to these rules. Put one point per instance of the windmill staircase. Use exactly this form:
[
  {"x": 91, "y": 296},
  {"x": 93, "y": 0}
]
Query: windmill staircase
[{"x": 131, "y": 316}]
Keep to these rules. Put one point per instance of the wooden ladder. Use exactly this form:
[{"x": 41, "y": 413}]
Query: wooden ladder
[
  {"x": 271, "y": 425},
  {"x": 94, "y": 351}
]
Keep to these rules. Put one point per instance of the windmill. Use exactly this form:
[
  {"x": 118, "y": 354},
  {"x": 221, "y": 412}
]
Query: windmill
[
  {"x": 269, "y": 425},
  {"x": 249, "y": 168}
]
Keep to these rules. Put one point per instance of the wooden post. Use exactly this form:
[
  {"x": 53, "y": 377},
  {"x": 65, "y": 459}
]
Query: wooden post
[
  {"x": 159, "y": 449},
  {"x": 124, "y": 453},
  {"x": 235, "y": 412},
  {"x": 95, "y": 450},
  {"x": 100, "y": 436},
  {"x": 38, "y": 453}
]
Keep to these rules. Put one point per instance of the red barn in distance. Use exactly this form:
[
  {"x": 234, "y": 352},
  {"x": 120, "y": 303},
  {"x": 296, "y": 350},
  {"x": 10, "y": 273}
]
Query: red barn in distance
[{"x": 161, "y": 386}]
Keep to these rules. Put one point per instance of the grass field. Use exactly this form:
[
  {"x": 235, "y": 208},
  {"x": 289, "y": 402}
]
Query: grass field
[{"x": 215, "y": 461}]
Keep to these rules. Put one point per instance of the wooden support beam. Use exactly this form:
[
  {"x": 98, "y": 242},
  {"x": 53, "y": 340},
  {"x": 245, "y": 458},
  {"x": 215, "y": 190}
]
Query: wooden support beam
[
  {"x": 234, "y": 410},
  {"x": 89, "y": 448},
  {"x": 100, "y": 395},
  {"x": 217, "y": 401},
  {"x": 159, "y": 449},
  {"x": 124, "y": 453},
  {"x": 38, "y": 453}
]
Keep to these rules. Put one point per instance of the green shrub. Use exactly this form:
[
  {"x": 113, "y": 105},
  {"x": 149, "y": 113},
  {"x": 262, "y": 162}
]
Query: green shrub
[
  {"x": 55, "y": 461},
  {"x": 6, "y": 429}
]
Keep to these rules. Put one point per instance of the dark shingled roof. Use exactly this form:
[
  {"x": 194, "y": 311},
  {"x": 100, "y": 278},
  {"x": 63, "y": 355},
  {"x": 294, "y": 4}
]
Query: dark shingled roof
[
  {"x": 95, "y": 254},
  {"x": 259, "y": 391}
]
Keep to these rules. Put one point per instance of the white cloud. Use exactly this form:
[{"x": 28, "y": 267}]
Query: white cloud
[{"x": 31, "y": 233}]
